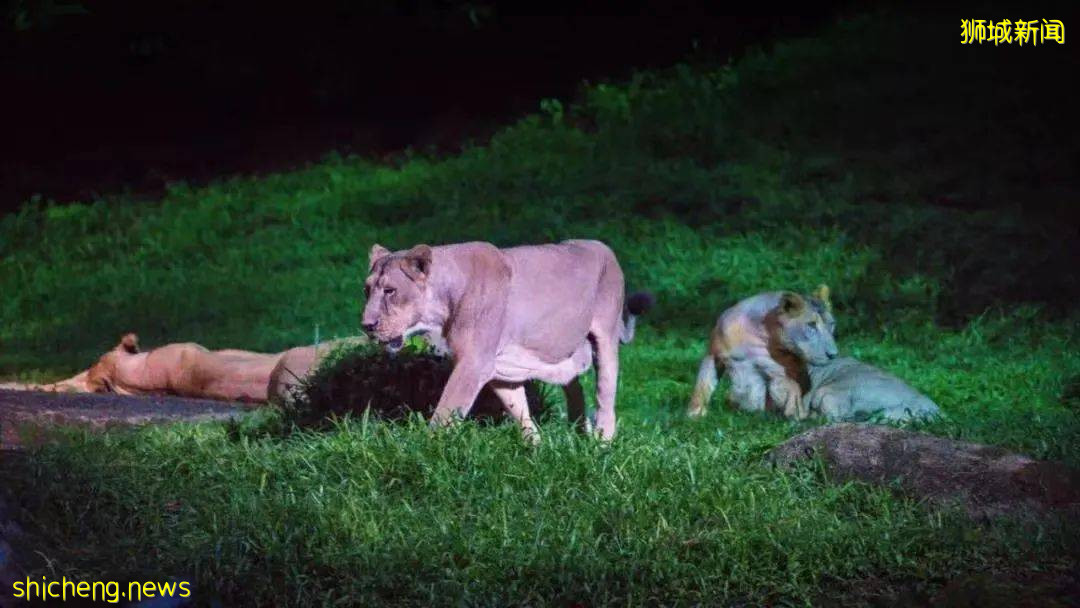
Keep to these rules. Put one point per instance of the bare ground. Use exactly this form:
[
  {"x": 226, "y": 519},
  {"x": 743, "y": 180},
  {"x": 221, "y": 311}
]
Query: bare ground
[{"x": 26, "y": 416}]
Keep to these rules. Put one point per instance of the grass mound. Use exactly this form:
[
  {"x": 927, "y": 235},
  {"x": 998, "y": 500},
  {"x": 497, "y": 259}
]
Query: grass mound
[{"x": 364, "y": 378}]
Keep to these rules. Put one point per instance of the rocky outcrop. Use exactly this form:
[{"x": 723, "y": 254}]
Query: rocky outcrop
[{"x": 986, "y": 481}]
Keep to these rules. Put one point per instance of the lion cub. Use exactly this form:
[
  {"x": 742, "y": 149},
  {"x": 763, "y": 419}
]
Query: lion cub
[{"x": 765, "y": 342}]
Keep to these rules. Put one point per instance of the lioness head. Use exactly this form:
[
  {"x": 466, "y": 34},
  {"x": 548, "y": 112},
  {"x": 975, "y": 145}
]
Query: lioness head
[
  {"x": 396, "y": 287},
  {"x": 100, "y": 378},
  {"x": 807, "y": 326}
]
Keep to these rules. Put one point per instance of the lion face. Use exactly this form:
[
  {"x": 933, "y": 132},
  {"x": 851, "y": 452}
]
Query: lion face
[
  {"x": 396, "y": 288},
  {"x": 806, "y": 328}
]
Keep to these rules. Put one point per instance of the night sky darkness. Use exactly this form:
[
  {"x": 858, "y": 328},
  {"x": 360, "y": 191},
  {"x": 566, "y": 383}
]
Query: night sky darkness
[{"x": 133, "y": 95}]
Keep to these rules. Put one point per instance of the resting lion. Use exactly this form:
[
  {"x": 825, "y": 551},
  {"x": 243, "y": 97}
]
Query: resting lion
[
  {"x": 848, "y": 389},
  {"x": 185, "y": 369},
  {"x": 764, "y": 342},
  {"x": 541, "y": 312}
]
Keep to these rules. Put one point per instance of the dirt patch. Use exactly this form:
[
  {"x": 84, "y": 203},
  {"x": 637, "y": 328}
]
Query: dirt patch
[
  {"x": 26, "y": 416},
  {"x": 986, "y": 481}
]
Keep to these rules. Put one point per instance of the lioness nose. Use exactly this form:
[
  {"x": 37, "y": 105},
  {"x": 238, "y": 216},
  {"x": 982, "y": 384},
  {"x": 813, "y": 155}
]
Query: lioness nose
[{"x": 369, "y": 327}]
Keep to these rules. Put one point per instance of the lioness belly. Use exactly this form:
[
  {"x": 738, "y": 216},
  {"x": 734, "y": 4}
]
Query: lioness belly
[{"x": 517, "y": 364}]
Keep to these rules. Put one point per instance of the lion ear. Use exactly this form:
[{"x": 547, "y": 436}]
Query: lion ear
[
  {"x": 417, "y": 262},
  {"x": 791, "y": 304},
  {"x": 822, "y": 293},
  {"x": 377, "y": 253},
  {"x": 129, "y": 343}
]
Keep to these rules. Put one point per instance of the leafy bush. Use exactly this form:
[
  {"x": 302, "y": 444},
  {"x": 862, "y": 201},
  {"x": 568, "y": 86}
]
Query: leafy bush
[{"x": 364, "y": 378}]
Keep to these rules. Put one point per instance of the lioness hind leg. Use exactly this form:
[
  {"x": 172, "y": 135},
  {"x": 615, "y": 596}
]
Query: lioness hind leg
[
  {"x": 575, "y": 405},
  {"x": 703, "y": 388},
  {"x": 516, "y": 404},
  {"x": 607, "y": 378}
]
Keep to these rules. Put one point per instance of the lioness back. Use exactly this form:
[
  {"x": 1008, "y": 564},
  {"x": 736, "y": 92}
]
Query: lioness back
[
  {"x": 191, "y": 370},
  {"x": 555, "y": 287},
  {"x": 740, "y": 331}
]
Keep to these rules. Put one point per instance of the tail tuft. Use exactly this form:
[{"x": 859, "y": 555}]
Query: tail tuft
[
  {"x": 636, "y": 304},
  {"x": 639, "y": 303}
]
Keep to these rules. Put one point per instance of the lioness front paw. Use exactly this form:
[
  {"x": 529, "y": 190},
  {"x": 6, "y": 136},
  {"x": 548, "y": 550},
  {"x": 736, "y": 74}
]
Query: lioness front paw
[{"x": 531, "y": 437}]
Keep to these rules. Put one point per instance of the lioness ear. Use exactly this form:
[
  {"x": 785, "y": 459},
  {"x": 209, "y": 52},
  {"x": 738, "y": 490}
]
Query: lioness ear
[
  {"x": 791, "y": 304},
  {"x": 822, "y": 293},
  {"x": 417, "y": 262},
  {"x": 130, "y": 343},
  {"x": 377, "y": 253}
]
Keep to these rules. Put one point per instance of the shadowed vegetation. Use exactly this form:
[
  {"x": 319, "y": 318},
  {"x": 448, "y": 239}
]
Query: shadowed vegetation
[
  {"x": 856, "y": 158},
  {"x": 364, "y": 379}
]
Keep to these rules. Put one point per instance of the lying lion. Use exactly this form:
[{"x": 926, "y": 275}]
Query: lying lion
[
  {"x": 190, "y": 370},
  {"x": 187, "y": 369},
  {"x": 848, "y": 389}
]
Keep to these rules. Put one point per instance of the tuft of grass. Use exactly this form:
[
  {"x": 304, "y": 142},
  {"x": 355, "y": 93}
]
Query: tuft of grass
[{"x": 360, "y": 379}]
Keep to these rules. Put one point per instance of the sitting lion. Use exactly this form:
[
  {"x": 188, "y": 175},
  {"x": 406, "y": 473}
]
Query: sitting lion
[
  {"x": 764, "y": 342},
  {"x": 848, "y": 389}
]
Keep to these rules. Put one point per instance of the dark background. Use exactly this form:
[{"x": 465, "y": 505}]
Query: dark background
[{"x": 115, "y": 97}]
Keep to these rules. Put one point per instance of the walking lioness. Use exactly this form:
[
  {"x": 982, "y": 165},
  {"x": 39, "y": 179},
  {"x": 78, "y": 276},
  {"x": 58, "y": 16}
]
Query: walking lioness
[
  {"x": 764, "y": 342},
  {"x": 540, "y": 312}
]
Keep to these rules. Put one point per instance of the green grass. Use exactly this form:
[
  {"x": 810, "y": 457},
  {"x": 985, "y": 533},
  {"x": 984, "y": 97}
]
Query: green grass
[{"x": 822, "y": 159}]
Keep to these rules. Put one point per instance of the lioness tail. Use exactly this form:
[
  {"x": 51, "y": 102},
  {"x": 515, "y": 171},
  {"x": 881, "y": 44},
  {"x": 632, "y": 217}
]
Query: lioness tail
[
  {"x": 637, "y": 303},
  {"x": 703, "y": 387}
]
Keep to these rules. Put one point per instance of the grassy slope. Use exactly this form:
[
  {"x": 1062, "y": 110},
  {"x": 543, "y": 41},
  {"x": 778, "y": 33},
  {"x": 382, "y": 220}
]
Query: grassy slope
[{"x": 813, "y": 162}]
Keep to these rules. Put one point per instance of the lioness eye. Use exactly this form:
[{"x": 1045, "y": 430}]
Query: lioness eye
[{"x": 388, "y": 291}]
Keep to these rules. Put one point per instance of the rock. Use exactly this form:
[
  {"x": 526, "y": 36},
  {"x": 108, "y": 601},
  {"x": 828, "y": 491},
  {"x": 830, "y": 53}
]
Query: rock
[
  {"x": 986, "y": 481},
  {"x": 846, "y": 389}
]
